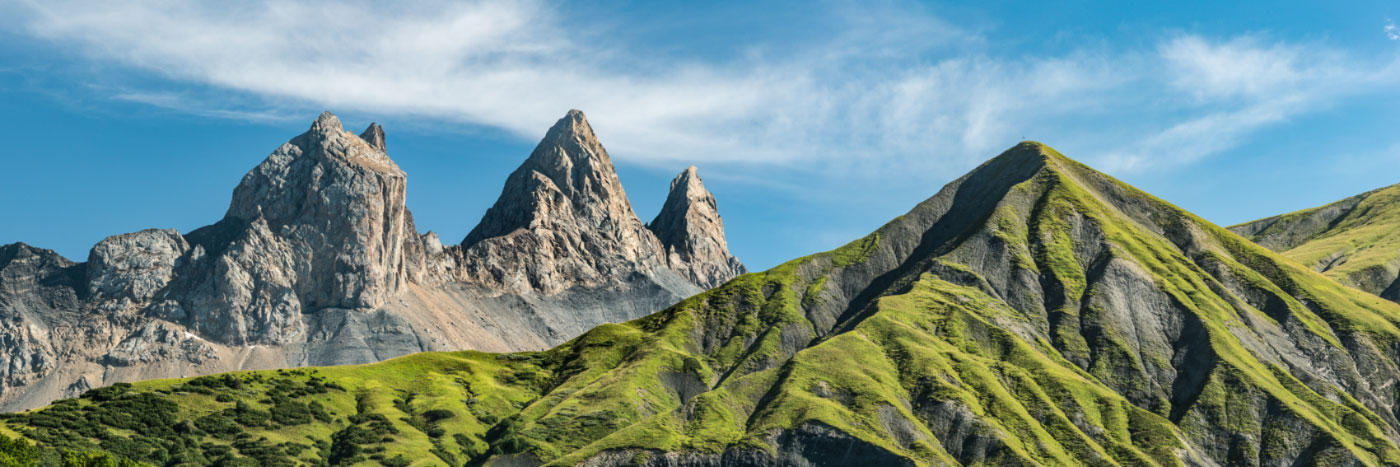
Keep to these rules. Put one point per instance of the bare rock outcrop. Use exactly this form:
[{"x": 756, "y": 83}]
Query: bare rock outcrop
[
  {"x": 39, "y": 290},
  {"x": 691, "y": 231},
  {"x": 134, "y": 266},
  {"x": 321, "y": 223}
]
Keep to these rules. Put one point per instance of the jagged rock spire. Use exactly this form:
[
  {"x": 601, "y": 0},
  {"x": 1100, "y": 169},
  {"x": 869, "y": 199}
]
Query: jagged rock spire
[
  {"x": 374, "y": 135},
  {"x": 691, "y": 231},
  {"x": 571, "y": 167},
  {"x": 562, "y": 220},
  {"x": 326, "y": 123}
]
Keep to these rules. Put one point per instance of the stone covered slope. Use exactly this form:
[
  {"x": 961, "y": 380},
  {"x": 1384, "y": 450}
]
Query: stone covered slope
[
  {"x": 1355, "y": 241},
  {"x": 318, "y": 262},
  {"x": 1033, "y": 312}
]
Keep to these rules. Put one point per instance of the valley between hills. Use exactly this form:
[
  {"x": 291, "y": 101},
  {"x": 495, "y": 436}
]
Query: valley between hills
[{"x": 1034, "y": 311}]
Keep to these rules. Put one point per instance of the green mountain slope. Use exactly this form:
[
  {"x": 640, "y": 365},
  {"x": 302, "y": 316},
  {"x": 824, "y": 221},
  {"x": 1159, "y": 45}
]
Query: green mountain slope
[
  {"x": 1355, "y": 241},
  {"x": 1033, "y": 312}
]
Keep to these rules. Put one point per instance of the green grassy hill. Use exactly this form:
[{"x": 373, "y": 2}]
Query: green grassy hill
[
  {"x": 1033, "y": 312},
  {"x": 1355, "y": 241}
]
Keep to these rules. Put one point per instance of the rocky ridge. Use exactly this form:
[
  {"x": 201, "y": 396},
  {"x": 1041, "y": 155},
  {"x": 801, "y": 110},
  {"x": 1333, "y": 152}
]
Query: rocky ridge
[{"x": 317, "y": 261}]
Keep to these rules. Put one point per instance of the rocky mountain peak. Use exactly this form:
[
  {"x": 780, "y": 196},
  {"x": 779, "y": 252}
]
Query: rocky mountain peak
[
  {"x": 569, "y": 174},
  {"x": 326, "y": 123},
  {"x": 688, "y": 183},
  {"x": 374, "y": 135},
  {"x": 692, "y": 233},
  {"x": 562, "y": 220},
  {"x": 278, "y": 188},
  {"x": 573, "y": 159},
  {"x": 321, "y": 223}
]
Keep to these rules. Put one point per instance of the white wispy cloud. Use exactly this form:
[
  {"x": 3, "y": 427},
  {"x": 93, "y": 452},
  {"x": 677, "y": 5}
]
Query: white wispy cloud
[
  {"x": 1391, "y": 31},
  {"x": 889, "y": 86},
  {"x": 1228, "y": 90}
]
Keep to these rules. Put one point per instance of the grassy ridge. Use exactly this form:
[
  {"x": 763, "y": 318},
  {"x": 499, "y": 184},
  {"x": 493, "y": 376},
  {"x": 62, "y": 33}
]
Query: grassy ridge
[
  {"x": 1355, "y": 241},
  {"x": 394, "y": 411}
]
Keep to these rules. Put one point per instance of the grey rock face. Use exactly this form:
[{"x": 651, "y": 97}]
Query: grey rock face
[
  {"x": 39, "y": 290},
  {"x": 374, "y": 135},
  {"x": 321, "y": 223},
  {"x": 317, "y": 261},
  {"x": 691, "y": 231},
  {"x": 336, "y": 202},
  {"x": 134, "y": 266}
]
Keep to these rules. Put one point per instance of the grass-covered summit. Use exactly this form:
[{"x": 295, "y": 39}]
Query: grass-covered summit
[
  {"x": 1355, "y": 241},
  {"x": 1033, "y": 312}
]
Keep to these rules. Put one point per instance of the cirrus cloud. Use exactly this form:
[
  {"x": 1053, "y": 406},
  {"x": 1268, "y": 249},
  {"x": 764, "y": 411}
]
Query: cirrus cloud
[{"x": 891, "y": 86}]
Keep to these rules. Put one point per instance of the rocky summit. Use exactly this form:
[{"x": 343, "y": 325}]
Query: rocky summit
[
  {"x": 563, "y": 220},
  {"x": 692, "y": 233},
  {"x": 317, "y": 262},
  {"x": 1032, "y": 312}
]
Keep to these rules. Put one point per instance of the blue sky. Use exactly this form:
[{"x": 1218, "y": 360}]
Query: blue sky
[{"x": 813, "y": 123}]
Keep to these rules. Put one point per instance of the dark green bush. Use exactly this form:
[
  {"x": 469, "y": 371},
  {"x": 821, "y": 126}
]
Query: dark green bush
[
  {"x": 290, "y": 412},
  {"x": 250, "y": 417},
  {"x": 396, "y": 461},
  {"x": 437, "y": 415}
]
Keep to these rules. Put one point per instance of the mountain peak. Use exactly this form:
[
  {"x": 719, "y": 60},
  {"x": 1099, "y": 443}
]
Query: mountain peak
[
  {"x": 692, "y": 233},
  {"x": 572, "y": 132},
  {"x": 563, "y": 220},
  {"x": 570, "y": 162},
  {"x": 374, "y": 135},
  {"x": 1028, "y": 152},
  {"x": 688, "y": 179},
  {"x": 335, "y": 199},
  {"x": 326, "y": 123}
]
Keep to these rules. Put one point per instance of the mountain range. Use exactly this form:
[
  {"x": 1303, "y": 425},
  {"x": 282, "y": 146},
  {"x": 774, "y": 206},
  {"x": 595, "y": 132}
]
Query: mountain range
[
  {"x": 318, "y": 262},
  {"x": 1032, "y": 312}
]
